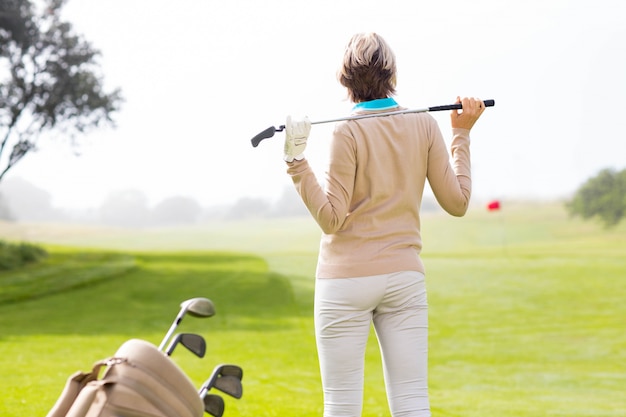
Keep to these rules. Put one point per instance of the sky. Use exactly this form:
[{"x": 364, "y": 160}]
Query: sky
[{"x": 200, "y": 78}]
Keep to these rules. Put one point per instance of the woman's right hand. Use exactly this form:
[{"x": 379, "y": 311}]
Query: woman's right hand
[{"x": 472, "y": 109}]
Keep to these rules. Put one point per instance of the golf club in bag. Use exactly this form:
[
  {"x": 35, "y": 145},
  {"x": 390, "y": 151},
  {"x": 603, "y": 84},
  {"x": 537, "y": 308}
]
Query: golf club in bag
[
  {"x": 196, "y": 307},
  {"x": 193, "y": 342},
  {"x": 141, "y": 380},
  {"x": 269, "y": 132}
]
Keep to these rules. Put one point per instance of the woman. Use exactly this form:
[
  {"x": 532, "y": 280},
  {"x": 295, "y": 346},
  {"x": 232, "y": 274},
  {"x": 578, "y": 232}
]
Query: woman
[{"x": 369, "y": 268}]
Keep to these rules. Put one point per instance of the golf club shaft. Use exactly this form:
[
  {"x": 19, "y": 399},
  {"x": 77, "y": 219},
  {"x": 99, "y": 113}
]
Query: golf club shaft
[
  {"x": 456, "y": 106},
  {"x": 269, "y": 132},
  {"x": 173, "y": 327}
]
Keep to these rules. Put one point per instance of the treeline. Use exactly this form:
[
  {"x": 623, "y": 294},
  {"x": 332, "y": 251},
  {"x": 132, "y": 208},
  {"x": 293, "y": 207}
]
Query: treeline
[
  {"x": 602, "y": 197},
  {"x": 21, "y": 201}
]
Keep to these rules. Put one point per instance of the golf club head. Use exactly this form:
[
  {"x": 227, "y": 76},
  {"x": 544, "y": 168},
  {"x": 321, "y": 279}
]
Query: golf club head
[
  {"x": 193, "y": 342},
  {"x": 198, "y": 307},
  {"x": 230, "y": 385},
  {"x": 226, "y": 378},
  {"x": 214, "y": 405}
]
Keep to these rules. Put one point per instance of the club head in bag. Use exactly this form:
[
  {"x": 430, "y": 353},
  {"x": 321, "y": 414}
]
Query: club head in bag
[
  {"x": 214, "y": 405},
  {"x": 197, "y": 307},
  {"x": 193, "y": 342},
  {"x": 226, "y": 378}
]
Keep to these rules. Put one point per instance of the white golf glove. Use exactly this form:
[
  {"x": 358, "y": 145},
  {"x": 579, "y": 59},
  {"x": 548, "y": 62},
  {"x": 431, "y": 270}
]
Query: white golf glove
[{"x": 297, "y": 132}]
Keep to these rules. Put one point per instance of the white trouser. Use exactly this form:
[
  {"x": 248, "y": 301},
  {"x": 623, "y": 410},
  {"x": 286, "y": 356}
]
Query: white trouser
[{"x": 344, "y": 311}]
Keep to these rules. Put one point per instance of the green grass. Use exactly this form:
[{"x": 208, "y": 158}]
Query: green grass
[
  {"x": 63, "y": 271},
  {"x": 526, "y": 312}
]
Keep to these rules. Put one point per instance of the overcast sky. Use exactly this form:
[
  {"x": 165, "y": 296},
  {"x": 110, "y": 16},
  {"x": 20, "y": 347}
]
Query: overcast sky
[{"x": 202, "y": 77}]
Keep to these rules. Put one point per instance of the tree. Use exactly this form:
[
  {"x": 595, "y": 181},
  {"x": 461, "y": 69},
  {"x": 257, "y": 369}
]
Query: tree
[
  {"x": 248, "y": 207},
  {"x": 49, "y": 80},
  {"x": 5, "y": 211},
  {"x": 176, "y": 211},
  {"x": 125, "y": 208},
  {"x": 603, "y": 196},
  {"x": 289, "y": 204},
  {"x": 26, "y": 202}
]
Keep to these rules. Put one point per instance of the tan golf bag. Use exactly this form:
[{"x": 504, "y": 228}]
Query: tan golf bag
[{"x": 139, "y": 381}]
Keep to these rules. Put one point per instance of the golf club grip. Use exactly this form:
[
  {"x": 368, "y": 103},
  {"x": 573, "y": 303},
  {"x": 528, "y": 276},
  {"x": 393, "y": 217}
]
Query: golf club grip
[
  {"x": 459, "y": 106},
  {"x": 257, "y": 139},
  {"x": 267, "y": 133}
]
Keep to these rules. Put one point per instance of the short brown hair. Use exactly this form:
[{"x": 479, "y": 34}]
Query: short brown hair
[{"x": 368, "y": 70}]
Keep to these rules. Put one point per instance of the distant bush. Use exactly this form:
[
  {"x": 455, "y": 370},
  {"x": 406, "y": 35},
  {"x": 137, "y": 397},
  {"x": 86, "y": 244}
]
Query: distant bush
[
  {"x": 16, "y": 255},
  {"x": 603, "y": 196}
]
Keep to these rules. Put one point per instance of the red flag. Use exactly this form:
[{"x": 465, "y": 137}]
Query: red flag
[{"x": 494, "y": 205}]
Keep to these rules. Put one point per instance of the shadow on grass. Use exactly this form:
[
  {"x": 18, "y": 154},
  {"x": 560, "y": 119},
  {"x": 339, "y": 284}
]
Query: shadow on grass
[
  {"x": 61, "y": 272},
  {"x": 147, "y": 298}
]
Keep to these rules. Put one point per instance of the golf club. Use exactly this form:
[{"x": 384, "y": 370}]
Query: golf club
[
  {"x": 193, "y": 342},
  {"x": 197, "y": 307},
  {"x": 226, "y": 378},
  {"x": 213, "y": 404},
  {"x": 269, "y": 132}
]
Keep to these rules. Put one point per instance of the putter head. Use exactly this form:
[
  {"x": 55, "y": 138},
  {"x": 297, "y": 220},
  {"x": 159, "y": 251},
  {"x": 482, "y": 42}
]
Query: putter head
[
  {"x": 198, "y": 307},
  {"x": 214, "y": 405},
  {"x": 226, "y": 378}
]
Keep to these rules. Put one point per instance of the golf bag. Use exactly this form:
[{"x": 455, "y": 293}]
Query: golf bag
[{"x": 139, "y": 381}]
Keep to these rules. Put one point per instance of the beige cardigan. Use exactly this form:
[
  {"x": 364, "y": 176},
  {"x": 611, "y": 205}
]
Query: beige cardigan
[{"x": 369, "y": 206}]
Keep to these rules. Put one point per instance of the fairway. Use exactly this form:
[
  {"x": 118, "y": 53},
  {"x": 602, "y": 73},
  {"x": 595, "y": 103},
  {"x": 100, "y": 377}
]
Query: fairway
[{"x": 527, "y": 312}]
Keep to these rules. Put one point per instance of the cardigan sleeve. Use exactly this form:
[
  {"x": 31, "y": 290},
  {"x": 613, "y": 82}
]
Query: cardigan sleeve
[
  {"x": 451, "y": 180},
  {"x": 328, "y": 205}
]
